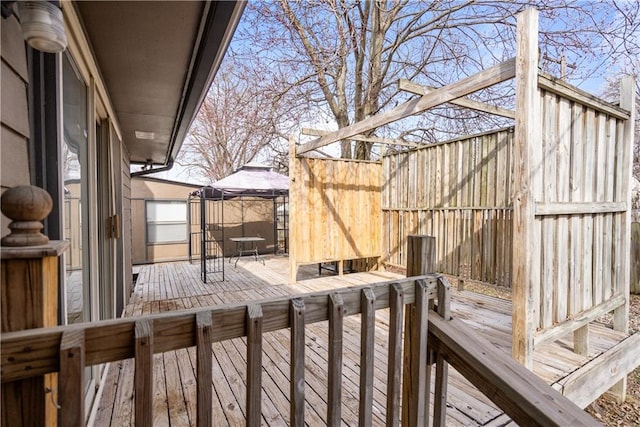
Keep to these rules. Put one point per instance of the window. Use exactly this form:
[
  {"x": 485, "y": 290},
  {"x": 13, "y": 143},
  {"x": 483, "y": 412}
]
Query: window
[{"x": 166, "y": 221}]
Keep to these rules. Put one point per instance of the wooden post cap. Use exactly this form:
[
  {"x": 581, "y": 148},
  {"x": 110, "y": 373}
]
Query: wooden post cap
[{"x": 26, "y": 205}]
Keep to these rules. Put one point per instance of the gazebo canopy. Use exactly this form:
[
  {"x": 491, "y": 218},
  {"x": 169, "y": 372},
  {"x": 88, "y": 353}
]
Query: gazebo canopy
[{"x": 252, "y": 179}]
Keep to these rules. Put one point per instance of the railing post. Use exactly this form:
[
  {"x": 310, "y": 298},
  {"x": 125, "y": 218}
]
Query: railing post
[
  {"x": 29, "y": 298},
  {"x": 421, "y": 259},
  {"x": 442, "y": 368}
]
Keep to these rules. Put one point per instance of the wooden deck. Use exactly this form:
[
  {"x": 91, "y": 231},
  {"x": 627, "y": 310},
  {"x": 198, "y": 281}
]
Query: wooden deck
[{"x": 175, "y": 286}]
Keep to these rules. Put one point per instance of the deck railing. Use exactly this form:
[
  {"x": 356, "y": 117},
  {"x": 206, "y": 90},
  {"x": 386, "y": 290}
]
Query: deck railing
[{"x": 434, "y": 338}]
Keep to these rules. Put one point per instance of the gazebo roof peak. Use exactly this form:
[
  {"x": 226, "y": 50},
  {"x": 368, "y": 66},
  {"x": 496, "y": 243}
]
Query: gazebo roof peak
[{"x": 255, "y": 165}]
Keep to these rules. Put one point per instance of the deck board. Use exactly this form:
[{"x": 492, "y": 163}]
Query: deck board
[{"x": 175, "y": 286}]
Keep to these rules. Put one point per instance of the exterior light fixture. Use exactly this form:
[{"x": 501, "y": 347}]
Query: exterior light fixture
[{"x": 42, "y": 25}]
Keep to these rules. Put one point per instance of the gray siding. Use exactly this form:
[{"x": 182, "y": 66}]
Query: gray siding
[{"x": 14, "y": 115}]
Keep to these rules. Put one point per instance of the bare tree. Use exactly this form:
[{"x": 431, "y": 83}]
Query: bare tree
[
  {"x": 237, "y": 122},
  {"x": 345, "y": 57}
]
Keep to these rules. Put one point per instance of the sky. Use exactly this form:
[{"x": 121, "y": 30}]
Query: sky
[{"x": 594, "y": 83}]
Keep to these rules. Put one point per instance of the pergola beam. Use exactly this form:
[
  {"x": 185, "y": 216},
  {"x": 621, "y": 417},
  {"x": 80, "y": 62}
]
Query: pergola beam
[
  {"x": 486, "y": 78},
  {"x": 372, "y": 139},
  {"x": 418, "y": 89}
]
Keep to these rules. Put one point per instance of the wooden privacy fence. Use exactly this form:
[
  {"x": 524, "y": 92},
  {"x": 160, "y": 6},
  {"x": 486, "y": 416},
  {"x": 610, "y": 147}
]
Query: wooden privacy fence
[
  {"x": 335, "y": 205},
  {"x": 571, "y": 204},
  {"x": 459, "y": 192},
  {"x": 68, "y": 349}
]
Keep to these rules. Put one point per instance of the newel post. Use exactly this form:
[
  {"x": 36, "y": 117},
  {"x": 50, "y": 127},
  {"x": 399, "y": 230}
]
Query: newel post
[
  {"x": 29, "y": 298},
  {"x": 421, "y": 259}
]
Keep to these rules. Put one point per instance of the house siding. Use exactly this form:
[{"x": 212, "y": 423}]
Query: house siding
[{"x": 14, "y": 113}]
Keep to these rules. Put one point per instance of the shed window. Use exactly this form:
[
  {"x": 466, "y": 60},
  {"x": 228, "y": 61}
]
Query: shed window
[{"x": 166, "y": 221}]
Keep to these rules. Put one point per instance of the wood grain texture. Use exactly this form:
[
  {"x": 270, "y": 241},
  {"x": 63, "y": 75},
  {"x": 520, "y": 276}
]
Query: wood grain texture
[
  {"x": 71, "y": 384},
  {"x": 515, "y": 389},
  {"x": 341, "y": 218},
  {"x": 297, "y": 388},
  {"x": 144, "y": 344},
  {"x": 28, "y": 353},
  {"x": 367, "y": 342},
  {"x": 489, "y": 77},
  {"x": 254, "y": 365},
  {"x": 203, "y": 368},
  {"x": 336, "y": 325},
  {"x": 525, "y": 289},
  {"x": 394, "y": 365}
]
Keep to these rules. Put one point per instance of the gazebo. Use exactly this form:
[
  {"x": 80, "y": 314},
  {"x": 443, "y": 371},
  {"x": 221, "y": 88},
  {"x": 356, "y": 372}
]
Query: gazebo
[{"x": 207, "y": 213}]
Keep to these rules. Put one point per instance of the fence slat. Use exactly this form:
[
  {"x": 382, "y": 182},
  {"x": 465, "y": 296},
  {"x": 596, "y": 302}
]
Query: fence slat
[
  {"x": 144, "y": 372},
  {"x": 71, "y": 378},
  {"x": 394, "y": 367},
  {"x": 204, "y": 360},
  {"x": 254, "y": 364},
  {"x": 442, "y": 368},
  {"x": 336, "y": 315},
  {"x": 297, "y": 313},
  {"x": 367, "y": 341}
]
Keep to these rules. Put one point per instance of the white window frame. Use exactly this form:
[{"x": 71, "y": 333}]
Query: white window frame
[{"x": 171, "y": 221}]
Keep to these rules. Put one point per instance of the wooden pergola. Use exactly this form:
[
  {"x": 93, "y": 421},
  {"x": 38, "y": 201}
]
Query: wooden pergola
[{"x": 553, "y": 191}]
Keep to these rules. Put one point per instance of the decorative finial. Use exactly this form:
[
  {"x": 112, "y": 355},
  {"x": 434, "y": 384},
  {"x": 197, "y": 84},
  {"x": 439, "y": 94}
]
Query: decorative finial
[{"x": 26, "y": 205}]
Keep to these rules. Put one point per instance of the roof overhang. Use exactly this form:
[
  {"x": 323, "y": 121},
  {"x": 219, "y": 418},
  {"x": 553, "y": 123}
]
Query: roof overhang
[{"x": 157, "y": 60}]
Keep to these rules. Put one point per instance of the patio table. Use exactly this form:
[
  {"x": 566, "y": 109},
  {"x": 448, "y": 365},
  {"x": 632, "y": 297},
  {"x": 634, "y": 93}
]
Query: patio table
[{"x": 241, "y": 249}]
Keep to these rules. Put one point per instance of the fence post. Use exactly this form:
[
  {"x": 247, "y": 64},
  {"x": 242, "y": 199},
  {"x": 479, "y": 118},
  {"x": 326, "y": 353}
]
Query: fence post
[
  {"x": 29, "y": 298},
  {"x": 421, "y": 259}
]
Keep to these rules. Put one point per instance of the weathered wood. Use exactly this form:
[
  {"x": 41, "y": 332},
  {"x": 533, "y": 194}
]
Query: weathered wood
[
  {"x": 579, "y": 208},
  {"x": 567, "y": 91},
  {"x": 442, "y": 369},
  {"x": 367, "y": 342},
  {"x": 294, "y": 203},
  {"x": 516, "y": 390},
  {"x": 581, "y": 340},
  {"x": 296, "y": 390},
  {"x": 254, "y": 365},
  {"x": 594, "y": 378},
  {"x": 71, "y": 378},
  {"x": 203, "y": 367},
  {"x": 421, "y": 257},
  {"x": 634, "y": 287},
  {"x": 486, "y": 78},
  {"x": 578, "y": 321},
  {"x": 394, "y": 365},
  {"x": 525, "y": 288},
  {"x": 418, "y": 399},
  {"x": 623, "y": 222},
  {"x": 466, "y": 167},
  {"x": 334, "y": 403},
  {"x": 35, "y": 352},
  {"x": 144, "y": 344},
  {"x": 372, "y": 139},
  {"x": 418, "y": 89}
]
